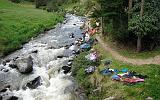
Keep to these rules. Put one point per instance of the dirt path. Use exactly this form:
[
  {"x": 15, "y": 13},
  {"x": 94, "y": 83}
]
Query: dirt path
[{"x": 116, "y": 55}]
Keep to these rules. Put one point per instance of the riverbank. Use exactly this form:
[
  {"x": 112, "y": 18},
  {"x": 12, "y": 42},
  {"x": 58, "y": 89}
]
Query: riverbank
[
  {"x": 21, "y": 22},
  {"x": 100, "y": 87}
]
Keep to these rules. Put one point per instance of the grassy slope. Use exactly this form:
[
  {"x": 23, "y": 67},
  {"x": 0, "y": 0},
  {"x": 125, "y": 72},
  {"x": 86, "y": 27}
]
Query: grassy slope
[
  {"x": 140, "y": 91},
  {"x": 18, "y": 23}
]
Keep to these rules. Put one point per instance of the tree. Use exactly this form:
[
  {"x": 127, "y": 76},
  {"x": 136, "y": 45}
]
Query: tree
[
  {"x": 139, "y": 40},
  {"x": 144, "y": 24},
  {"x": 112, "y": 11}
]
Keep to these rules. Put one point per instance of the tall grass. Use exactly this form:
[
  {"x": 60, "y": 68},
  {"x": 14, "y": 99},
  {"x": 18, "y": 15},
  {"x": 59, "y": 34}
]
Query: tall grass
[{"x": 20, "y": 22}]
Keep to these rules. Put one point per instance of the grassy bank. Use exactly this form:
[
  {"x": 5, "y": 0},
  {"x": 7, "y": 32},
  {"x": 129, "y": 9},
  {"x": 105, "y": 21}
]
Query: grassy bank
[
  {"x": 20, "y": 22},
  {"x": 108, "y": 88}
]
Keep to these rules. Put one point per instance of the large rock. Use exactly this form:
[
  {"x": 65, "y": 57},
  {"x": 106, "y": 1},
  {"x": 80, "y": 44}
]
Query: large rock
[
  {"x": 9, "y": 79},
  {"x": 66, "y": 69},
  {"x": 33, "y": 84},
  {"x": 8, "y": 95},
  {"x": 25, "y": 65}
]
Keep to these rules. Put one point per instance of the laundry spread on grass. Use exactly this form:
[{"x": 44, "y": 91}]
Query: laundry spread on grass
[
  {"x": 93, "y": 56},
  {"x": 123, "y": 75}
]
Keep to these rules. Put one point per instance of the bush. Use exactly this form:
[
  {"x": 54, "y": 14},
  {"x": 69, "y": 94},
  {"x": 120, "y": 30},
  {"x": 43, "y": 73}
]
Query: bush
[
  {"x": 16, "y": 1},
  {"x": 41, "y": 3},
  {"x": 30, "y": 0}
]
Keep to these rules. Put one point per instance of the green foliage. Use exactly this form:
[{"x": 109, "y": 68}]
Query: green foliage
[
  {"x": 41, "y": 3},
  {"x": 114, "y": 15},
  {"x": 19, "y": 23},
  {"x": 148, "y": 24},
  {"x": 144, "y": 25},
  {"x": 16, "y": 1}
]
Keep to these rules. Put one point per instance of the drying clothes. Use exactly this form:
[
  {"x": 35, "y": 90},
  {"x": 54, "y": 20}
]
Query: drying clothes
[
  {"x": 90, "y": 41},
  {"x": 90, "y": 69},
  {"x": 87, "y": 37},
  {"x": 116, "y": 77},
  {"x": 85, "y": 46},
  {"x": 133, "y": 80},
  {"x": 124, "y": 70},
  {"x": 141, "y": 76},
  {"x": 91, "y": 56},
  {"x": 106, "y": 72}
]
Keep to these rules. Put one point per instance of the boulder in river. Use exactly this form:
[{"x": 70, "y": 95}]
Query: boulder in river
[
  {"x": 34, "y": 83},
  {"x": 8, "y": 95},
  {"x": 66, "y": 69},
  {"x": 25, "y": 65},
  {"x": 12, "y": 64}
]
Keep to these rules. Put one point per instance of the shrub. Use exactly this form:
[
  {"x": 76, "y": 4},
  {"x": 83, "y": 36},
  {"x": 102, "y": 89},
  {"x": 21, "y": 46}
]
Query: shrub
[
  {"x": 41, "y": 3},
  {"x": 16, "y": 1}
]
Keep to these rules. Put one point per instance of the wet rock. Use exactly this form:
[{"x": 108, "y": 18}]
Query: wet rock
[
  {"x": 67, "y": 53},
  {"x": 60, "y": 56},
  {"x": 66, "y": 69},
  {"x": 14, "y": 59},
  {"x": 69, "y": 63},
  {"x": 4, "y": 69},
  {"x": 3, "y": 90},
  {"x": 9, "y": 79},
  {"x": 7, "y": 60},
  {"x": 8, "y": 95},
  {"x": 1, "y": 97},
  {"x": 51, "y": 47},
  {"x": 25, "y": 65},
  {"x": 12, "y": 64},
  {"x": 34, "y": 83},
  {"x": 4, "y": 63},
  {"x": 74, "y": 48},
  {"x": 35, "y": 51},
  {"x": 13, "y": 98}
]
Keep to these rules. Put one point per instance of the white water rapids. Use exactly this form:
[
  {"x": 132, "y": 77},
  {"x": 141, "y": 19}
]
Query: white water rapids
[{"x": 55, "y": 84}]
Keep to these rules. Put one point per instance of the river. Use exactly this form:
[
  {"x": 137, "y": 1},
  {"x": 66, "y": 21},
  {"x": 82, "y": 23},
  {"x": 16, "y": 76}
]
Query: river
[{"x": 50, "y": 54}]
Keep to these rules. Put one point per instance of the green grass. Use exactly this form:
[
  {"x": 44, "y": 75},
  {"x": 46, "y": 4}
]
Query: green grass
[
  {"x": 130, "y": 51},
  {"x": 20, "y": 22},
  {"x": 150, "y": 88},
  {"x": 142, "y": 55}
]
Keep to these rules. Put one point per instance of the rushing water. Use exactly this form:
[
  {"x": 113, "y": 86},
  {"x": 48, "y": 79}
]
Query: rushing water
[{"x": 55, "y": 84}]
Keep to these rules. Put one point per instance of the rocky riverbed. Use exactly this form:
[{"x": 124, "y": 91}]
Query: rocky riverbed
[{"x": 41, "y": 69}]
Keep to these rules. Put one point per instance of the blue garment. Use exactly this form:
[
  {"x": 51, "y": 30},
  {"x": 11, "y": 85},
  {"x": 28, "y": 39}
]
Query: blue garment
[
  {"x": 116, "y": 77},
  {"x": 106, "y": 72},
  {"x": 85, "y": 46},
  {"x": 124, "y": 70}
]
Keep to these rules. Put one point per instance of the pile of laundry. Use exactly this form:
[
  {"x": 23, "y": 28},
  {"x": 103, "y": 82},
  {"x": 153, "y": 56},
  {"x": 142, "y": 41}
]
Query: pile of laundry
[
  {"x": 92, "y": 56},
  {"x": 90, "y": 70},
  {"x": 124, "y": 75}
]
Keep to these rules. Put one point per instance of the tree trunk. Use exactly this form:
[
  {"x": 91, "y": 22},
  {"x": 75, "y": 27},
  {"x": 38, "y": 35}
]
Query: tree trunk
[
  {"x": 130, "y": 5},
  {"x": 129, "y": 8},
  {"x": 139, "y": 40},
  {"x": 142, "y": 8},
  {"x": 139, "y": 44},
  {"x": 102, "y": 26}
]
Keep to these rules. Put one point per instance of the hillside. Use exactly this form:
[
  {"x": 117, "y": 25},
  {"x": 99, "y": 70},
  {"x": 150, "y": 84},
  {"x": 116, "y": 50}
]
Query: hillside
[{"x": 20, "y": 22}]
